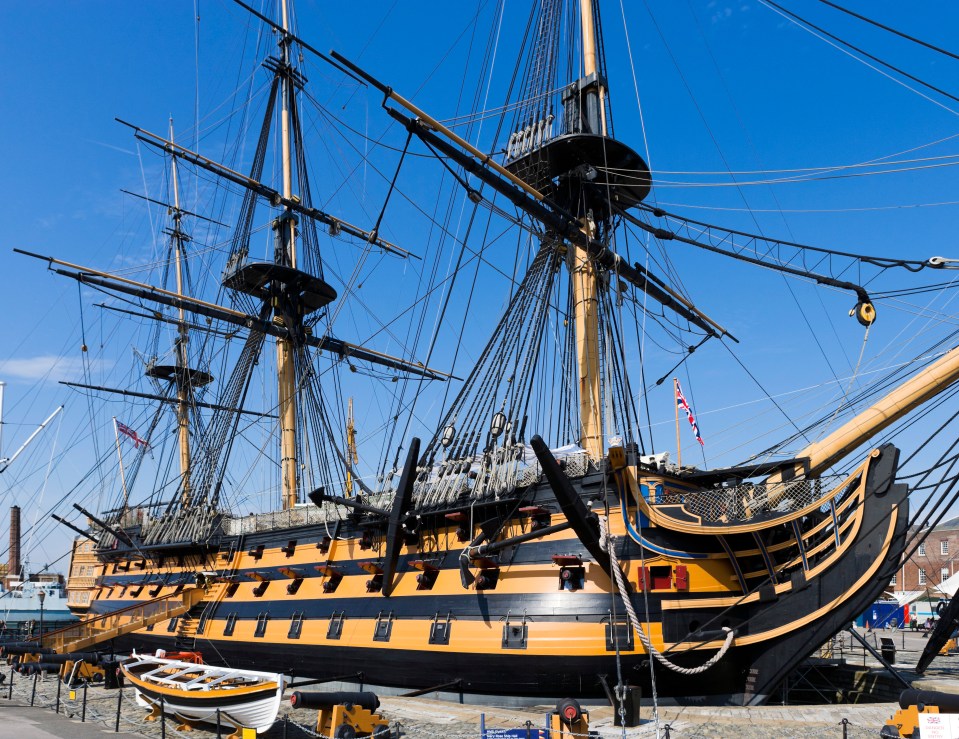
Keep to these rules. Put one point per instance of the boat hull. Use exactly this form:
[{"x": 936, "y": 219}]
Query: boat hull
[{"x": 253, "y": 707}]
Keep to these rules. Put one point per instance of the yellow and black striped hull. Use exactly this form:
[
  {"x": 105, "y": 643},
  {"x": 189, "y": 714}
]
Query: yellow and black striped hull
[{"x": 540, "y": 619}]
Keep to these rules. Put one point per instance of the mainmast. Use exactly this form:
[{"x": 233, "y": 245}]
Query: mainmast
[
  {"x": 285, "y": 256},
  {"x": 585, "y": 299}
]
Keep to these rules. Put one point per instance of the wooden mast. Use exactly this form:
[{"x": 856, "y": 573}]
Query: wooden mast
[
  {"x": 585, "y": 299},
  {"x": 285, "y": 227},
  {"x": 182, "y": 375}
]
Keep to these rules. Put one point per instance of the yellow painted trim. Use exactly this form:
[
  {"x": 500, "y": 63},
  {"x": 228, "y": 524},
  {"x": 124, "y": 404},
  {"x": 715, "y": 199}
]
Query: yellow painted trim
[
  {"x": 655, "y": 515},
  {"x": 780, "y": 588},
  {"x": 879, "y": 560}
]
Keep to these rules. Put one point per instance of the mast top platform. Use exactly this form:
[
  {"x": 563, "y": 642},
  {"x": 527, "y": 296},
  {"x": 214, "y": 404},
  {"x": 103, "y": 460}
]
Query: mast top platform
[
  {"x": 609, "y": 169},
  {"x": 182, "y": 376},
  {"x": 260, "y": 278}
]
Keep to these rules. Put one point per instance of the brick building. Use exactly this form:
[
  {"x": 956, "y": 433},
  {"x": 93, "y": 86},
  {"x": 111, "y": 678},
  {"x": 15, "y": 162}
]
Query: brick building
[{"x": 935, "y": 561}]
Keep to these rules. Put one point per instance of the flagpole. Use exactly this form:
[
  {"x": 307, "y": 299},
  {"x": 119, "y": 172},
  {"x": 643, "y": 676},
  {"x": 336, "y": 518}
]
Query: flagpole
[
  {"x": 679, "y": 449},
  {"x": 123, "y": 479}
]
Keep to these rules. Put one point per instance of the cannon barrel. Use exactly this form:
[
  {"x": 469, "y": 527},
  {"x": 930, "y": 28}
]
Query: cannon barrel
[
  {"x": 305, "y": 699},
  {"x": 91, "y": 658},
  {"x": 30, "y": 668},
  {"x": 945, "y": 702},
  {"x": 25, "y": 647}
]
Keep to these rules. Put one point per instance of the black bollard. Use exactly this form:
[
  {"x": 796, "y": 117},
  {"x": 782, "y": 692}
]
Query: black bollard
[
  {"x": 116, "y": 727},
  {"x": 83, "y": 714},
  {"x": 59, "y": 685},
  {"x": 33, "y": 693}
]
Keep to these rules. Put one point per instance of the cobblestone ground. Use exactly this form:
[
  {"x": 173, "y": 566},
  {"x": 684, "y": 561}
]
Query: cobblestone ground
[
  {"x": 428, "y": 719},
  {"x": 422, "y": 718}
]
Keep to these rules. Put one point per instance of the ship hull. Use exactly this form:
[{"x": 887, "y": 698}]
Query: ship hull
[{"x": 271, "y": 606}]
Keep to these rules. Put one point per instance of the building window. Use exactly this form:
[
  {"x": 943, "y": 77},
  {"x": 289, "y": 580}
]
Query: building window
[
  {"x": 944, "y": 546},
  {"x": 943, "y": 574},
  {"x": 922, "y": 576},
  {"x": 892, "y": 583},
  {"x": 922, "y": 549}
]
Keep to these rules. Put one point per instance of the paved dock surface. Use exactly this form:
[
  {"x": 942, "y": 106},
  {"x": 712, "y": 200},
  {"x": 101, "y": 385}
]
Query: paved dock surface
[
  {"x": 20, "y": 721},
  {"x": 425, "y": 718}
]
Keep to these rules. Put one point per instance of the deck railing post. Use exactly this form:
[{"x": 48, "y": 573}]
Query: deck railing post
[
  {"x": 83, "y": 713},
  {"x": 162, "y": 718},
  {"x": 33, "y": 693},
  {"x": 10, "y": 692},
  {"x": 59, "y": 687}
]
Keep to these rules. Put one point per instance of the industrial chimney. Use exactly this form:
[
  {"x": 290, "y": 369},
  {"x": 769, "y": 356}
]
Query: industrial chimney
[{"x": 13, "y": 568}]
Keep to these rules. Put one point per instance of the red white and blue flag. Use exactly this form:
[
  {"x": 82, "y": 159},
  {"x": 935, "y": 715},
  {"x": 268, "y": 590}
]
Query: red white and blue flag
[
  {"x": 682, "y": 403},
  {"x": 127, "y": 431}
]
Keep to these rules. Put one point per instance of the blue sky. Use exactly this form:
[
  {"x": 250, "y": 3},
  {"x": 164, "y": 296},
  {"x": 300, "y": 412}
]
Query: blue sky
[{"x": 723, "y": 86}]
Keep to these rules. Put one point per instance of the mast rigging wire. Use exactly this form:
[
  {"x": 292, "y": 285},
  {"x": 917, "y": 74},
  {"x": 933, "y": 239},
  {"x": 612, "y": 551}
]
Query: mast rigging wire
[
  {"x": 858, "y": 50},
  {"x": 890, "y": 30}
]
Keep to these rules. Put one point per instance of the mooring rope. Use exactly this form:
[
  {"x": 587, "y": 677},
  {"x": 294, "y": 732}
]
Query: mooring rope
[{"x": 637, "y": 626}]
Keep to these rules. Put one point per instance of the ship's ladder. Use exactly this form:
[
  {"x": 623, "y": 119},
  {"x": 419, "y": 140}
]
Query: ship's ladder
[
  {"x": 101, "y": 628},
  {"x": 189, "y": 624},
  {"x": 226, "y": 564}
]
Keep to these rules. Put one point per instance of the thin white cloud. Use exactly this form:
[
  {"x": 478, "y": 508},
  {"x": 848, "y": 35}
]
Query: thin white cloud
[
  {"x": 111, "y": 146},
  {"x": 48, "y": 368}
]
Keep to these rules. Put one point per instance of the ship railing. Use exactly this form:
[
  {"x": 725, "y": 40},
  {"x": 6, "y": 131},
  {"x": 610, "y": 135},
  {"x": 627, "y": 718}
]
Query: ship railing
[
  {"x": 306, "y": 515},
  {"x": 492, "y": 475},
  {"x": 749, "y": 500},
  {"x": 189, "y": 524}
]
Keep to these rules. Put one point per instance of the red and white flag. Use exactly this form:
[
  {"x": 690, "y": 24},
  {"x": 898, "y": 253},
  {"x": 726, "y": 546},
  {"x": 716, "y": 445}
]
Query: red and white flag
[
  {"x": 682, "y": 403},
  {"x": 122, "y": 428}
]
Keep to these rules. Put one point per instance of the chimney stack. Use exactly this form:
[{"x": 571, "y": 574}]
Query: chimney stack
[{"x": 13, "y": 569}]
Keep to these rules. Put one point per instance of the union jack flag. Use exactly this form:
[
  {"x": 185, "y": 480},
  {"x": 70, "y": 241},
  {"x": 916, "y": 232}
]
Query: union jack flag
[
  {"x": 682, "y": 403},
  {"x": 127, "y": 431}
]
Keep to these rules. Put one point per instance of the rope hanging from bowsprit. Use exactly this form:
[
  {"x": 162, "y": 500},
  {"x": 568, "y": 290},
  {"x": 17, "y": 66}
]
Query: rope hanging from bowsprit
[{"x": 637, "y": 626}]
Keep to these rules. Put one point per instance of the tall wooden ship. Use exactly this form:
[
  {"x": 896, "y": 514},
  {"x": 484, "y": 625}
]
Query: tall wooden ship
[{"x": 534, "y": 545}]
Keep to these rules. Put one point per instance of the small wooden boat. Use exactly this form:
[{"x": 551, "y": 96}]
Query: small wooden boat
[{"x": 195, "y": 692}]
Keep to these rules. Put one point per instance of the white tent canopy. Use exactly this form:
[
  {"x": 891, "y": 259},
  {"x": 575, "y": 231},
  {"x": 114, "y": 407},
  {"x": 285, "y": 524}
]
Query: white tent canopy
[{"x": 946, "y": 589}]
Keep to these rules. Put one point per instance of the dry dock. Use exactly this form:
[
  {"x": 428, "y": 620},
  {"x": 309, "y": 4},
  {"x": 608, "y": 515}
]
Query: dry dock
[{"x": 423, "y": 718}]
